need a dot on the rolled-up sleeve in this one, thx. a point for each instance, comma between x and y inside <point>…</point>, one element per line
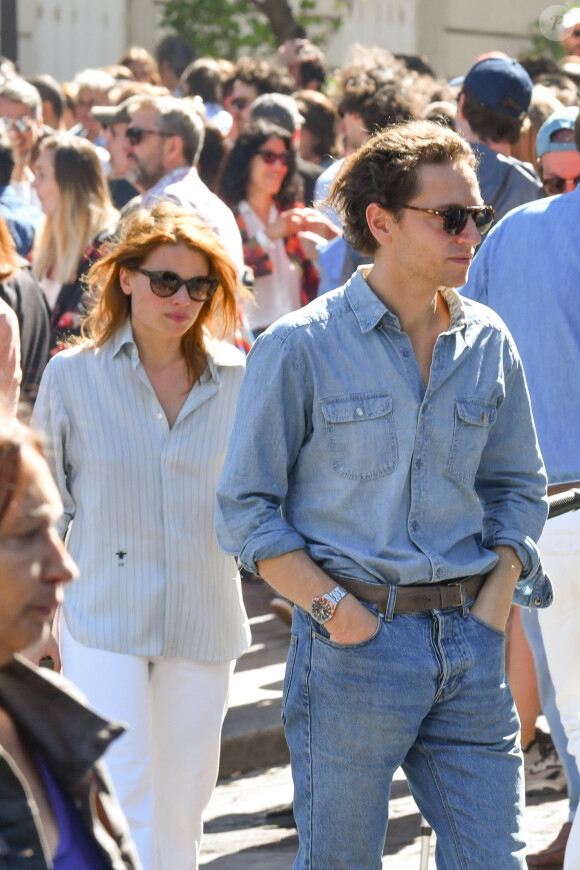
<point>511,481</point>
<point>272,421</point>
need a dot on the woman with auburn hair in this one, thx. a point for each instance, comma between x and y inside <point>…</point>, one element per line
<point>79,217</point>
<point>138,415</point>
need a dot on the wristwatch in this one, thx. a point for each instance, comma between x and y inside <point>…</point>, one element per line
<point>323,607</point>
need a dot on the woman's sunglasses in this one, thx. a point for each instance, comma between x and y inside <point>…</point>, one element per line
<point>271,157</point>
<point>165,284</point>
<point>557,184</point>
<point>455,217</point>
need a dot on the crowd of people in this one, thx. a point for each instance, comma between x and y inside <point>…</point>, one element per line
<point>159,218</point>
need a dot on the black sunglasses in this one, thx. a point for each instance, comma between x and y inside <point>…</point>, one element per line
<point>165,284</point>
<point>271,157</point>
<point>455,217</point>
<point>135,134</point>
<point>556,184</point>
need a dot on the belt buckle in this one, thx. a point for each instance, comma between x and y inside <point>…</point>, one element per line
<point>461,584</point>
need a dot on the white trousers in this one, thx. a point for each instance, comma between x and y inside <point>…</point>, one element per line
<point>560,626</point>
<point>165,766</point>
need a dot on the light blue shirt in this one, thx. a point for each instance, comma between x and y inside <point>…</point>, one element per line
<point>528,271</point>
<point>339,449</point>
<point>140,498</point>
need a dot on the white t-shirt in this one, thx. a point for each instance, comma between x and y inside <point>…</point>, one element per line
<point>278,293</point>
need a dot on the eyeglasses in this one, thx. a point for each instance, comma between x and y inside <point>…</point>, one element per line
<point>239,103</point>
<point>135,134</point>
<point>271,157</point>
<point>21,125</point>
<point>455,217</point>
<point>166,284</point>
<point>557,184</point>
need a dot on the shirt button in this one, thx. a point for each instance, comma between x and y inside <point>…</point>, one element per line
<point>415,525</point>
<point>160,416</point>
<point>406,352</point>
<point>439,572</point>
<point>483,417</point>
<point>537,601</point>
<point>418,463</point>
<point>359,412</point>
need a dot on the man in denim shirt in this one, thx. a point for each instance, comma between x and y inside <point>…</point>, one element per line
<point>530,275</point>
<point>384,474</point>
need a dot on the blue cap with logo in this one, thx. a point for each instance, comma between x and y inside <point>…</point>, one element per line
<point>561,119</point>
<point>502,84</point>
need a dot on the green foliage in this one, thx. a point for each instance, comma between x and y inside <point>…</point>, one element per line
<point>227,28</point>
<point>219,28</point>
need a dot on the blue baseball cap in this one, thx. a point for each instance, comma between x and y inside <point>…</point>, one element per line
<point>561,119</point>
<point>502,84</point>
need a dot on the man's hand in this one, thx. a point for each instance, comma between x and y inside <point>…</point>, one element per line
<point>494,600</point>
<point>296,576</point>
<point>352,622</point>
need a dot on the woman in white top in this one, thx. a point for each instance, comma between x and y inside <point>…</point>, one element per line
<point>139,417</point>
<point>260,185</point>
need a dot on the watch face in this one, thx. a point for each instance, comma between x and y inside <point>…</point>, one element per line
<point>322,609</point>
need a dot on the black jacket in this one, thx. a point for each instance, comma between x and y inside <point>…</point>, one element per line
<point>71,739</point>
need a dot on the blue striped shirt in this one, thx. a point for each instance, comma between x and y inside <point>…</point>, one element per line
<point>140,497</point>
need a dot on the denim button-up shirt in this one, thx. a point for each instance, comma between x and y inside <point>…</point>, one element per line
<point>528,271</point>
<point>339,449</point>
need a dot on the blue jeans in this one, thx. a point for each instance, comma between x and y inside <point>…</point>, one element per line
<point>427,691</point>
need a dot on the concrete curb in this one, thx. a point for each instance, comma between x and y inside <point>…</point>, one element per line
<point>253,737</point>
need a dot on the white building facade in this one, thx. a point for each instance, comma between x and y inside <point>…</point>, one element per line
<point>61,37</point>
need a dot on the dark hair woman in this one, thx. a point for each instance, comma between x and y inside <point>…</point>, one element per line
<point>259,184</point>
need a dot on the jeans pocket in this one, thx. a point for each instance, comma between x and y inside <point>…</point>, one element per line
<point>361,435</point>
<point>473,418</point>
<point>491,628</point>
<point>324,638</point>
<point>289,672</point>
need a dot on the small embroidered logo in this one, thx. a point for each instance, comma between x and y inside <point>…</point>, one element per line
<point>121,556</point>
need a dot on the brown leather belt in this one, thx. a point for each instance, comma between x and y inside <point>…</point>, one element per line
<point>555,488</point>
<point>412,599</point>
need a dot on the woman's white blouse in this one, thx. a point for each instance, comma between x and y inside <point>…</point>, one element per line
<point>140,497</point>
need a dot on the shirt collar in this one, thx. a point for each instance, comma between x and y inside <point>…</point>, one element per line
<point>366,305</point>
<point>369,310</point>
<point>173,177</point>
<point>218,353</point>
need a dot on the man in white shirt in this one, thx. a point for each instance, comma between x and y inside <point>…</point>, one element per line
<point>163,142</point>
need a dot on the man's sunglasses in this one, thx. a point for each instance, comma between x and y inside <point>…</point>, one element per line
<point>239,103</point>
<point>21,125</point>
<point>135,134</point>
<point>557,184</point>
<point>456,216</point>
<point>166,284</point>
<point>271,157</point>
